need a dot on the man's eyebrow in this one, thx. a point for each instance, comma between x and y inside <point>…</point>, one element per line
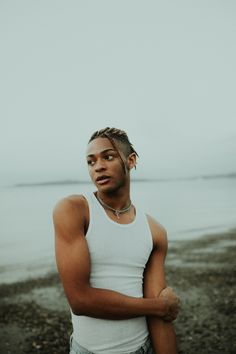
<point>102,152</point>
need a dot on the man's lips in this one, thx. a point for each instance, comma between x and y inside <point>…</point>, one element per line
<point>102,179</point>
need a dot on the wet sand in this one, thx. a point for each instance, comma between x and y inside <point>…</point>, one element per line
<point>35,317</point>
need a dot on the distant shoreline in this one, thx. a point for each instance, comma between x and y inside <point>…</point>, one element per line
<point>144,180</point>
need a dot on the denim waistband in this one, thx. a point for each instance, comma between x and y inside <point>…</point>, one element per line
<point>76,348</point>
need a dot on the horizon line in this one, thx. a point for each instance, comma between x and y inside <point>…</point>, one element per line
<point>153,179</point>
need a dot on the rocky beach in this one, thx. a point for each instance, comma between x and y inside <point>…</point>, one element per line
<point>35,317</point>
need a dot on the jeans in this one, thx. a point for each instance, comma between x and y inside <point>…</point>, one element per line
<point>75,348</point>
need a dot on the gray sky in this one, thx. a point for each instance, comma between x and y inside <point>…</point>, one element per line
<point>163,71</point>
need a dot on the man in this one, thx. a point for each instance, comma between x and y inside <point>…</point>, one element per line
<point>110,257</point>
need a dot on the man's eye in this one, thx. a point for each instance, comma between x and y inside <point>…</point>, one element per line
<point>90,162</point>
<point>109,157</point>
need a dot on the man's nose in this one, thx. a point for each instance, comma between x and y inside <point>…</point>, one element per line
<point>100,166</point>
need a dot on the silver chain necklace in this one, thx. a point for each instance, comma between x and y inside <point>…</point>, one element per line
<point>117,212</point>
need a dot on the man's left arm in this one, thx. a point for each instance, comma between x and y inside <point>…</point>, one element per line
<point>162,332</point>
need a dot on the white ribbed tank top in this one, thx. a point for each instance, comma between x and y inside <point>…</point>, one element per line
<point>118,254</point>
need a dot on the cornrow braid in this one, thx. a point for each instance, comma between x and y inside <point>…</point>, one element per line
<point>114,134</point>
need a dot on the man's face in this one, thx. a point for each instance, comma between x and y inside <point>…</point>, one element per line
<point>105,166</point>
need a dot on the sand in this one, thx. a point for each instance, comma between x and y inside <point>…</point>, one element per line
<point>35,317</point>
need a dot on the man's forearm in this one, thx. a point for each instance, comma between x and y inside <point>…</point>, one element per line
<point>108,304</point>
<point>162,335</point>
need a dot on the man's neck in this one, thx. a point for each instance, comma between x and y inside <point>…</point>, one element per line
<point>116,200</point>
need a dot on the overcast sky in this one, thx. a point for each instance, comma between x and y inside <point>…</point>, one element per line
<point>163,71</point>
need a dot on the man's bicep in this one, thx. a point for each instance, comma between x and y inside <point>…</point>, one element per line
<point>154,275</point>
<point>73,261</point>
<point>72,254</point>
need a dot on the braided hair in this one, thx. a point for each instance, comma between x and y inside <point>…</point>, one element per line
<point>115,135</point>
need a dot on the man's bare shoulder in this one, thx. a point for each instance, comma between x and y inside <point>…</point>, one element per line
<point>159,233</point>
<point>69,203</point>
<point>70,213</point>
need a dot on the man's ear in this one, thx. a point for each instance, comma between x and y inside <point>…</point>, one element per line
<point>131,161</point>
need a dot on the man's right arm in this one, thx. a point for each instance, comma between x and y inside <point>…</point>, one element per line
<point>73,262</point>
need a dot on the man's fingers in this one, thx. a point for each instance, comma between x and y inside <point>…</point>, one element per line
<point>173,302</point>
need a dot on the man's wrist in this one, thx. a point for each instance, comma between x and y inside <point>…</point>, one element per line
<point>157,306</point>
<point>164,305</point>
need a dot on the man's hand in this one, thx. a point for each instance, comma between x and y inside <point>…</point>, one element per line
<point>172,302</point>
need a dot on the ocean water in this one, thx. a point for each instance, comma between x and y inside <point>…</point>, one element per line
<point>186,208</point>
